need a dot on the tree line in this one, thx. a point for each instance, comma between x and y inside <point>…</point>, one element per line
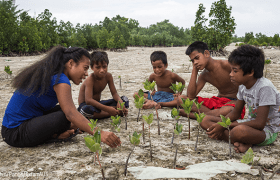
<point>22,33</point>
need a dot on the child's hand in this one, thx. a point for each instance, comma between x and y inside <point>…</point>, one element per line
<point>215,131</point>
<point>112,111</point>
<point>153,92</point>
<point>110,139</point>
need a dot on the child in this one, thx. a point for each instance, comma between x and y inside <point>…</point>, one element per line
<point>90,92</point>
<point>164,78</point>
<point>215,72</point>
<point>261,97</point>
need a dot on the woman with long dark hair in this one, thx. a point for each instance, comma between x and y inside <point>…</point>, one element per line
<point>33,117</point>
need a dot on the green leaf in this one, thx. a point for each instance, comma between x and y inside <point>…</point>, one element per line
<point>175,112</point>
<point>198,105</point>
<point>140,93</point>
<point>222,124</point>
<point>248,157</point>
<point>176,132</point>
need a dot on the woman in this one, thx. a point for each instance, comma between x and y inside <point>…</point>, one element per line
<point>32,116</point>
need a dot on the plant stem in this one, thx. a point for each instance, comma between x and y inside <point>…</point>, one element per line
<point>189,126</point>
<point>100,166</point>
<point>229,143</point>
<point>173,136</point>
<point>143,133</point>
<point>150,144</point>
<point>138,115</point>
<point>125,169</point>
<point>120,83</point>
<point>125,121</point>
<point>157,117</point>
<point>175,158</point>
<point>195,147</point>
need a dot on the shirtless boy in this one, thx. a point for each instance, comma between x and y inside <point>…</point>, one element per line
<point>164,96</point>
<point>90,92</point>
<point>262,99</point>
<point>215,72</point>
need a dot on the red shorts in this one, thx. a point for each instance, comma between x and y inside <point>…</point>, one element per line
<point>217,102</point>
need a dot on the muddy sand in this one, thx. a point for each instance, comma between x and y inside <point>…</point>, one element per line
<point>73,160</point>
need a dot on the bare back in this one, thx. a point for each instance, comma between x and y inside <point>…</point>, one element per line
<point>219,77</point>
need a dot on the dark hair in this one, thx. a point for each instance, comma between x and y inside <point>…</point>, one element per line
<point>249,58</point>
<point>38,75</point>
<point>98,56</point>
<point>198,46</point>
<point>159,55</point>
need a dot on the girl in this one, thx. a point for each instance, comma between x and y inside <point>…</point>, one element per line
<point>32,117</point>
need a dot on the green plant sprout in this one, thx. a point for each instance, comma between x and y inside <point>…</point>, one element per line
<point>198,105</point>
<point>175,114</point>
<point>178,130</point>
<point>150,86</point>
<point>116,122</point>
<point>248,157</point>
<point>122,109</point>
<point>177,88</point>
<point>135,141</point>
<point>199,118</point>
<point>93,143</point>
<point>120,81</point>
<point>139,101</point>
<point>187,105</point>
<point>226,123</point>
<point>266,62</point>
<point>149,120</point>
<point>8,71</point>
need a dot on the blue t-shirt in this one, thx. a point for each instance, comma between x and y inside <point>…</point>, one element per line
<point>22,107</point>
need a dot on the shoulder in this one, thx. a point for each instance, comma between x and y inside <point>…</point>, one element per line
<point>152,76</point>
<point>225,64</point>
<point>108,77</point>
<point>60,78</point>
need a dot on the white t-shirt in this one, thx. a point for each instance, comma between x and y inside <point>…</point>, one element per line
<point>263,93</point>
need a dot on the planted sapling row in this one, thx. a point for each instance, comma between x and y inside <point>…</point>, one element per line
<point>139,101</point>
<point>178,130</point>
<point>150,86</point>
<point>93,143</point>
<point>175,114</point>
<point>149,120</point>
<point>116,122</point>
<point>122,109</point>
<point>134,140</point>
<point>187,105</point>
<point>226,123</point>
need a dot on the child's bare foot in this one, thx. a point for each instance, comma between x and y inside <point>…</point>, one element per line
<point>149,104</point>
<point>240,147</point>
<point>65,134</point>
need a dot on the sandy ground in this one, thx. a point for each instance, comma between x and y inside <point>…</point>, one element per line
<point>73,160</point>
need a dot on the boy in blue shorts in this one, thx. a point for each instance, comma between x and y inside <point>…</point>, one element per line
<point>90,104</point>
<point>164,96</point>
<point>262,99</point>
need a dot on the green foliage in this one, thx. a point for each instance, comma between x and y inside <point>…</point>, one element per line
<point>198,105</point>
<point>199,117</point>
<point>122,105</point>
<point>187,105</point>
<point>140,93</point>
<point>116,122</point>
<point>248,37</point>
<point>225,122</point>
<point>248,157</point>
<point>149,119</point>
<point>139,102</point>
<point>102,38</point>
<point>92,124</point>
<point>177,87</point>
<point>175,113</point>
<point>7,70</point>
<point>93,142</point>
<point>150,86</point>
<point>178,129</point>
<point>267,61</point>
<point>135,138</point>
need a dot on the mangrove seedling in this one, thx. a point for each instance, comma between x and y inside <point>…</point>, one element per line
<point>198,105</point>
<point>122,109</point>
<point>7,70</point>
<point>150,86</point>
<point>175,114</point>
<point>93,143</point>
<point>139,101</point>
<point>226,123</point>
<point>266,63</point>
<point>248,157</point>
<point>178,130</point>
<point>199,118</point>
<point>177,88</point>
<point>116,122</point>
<point>120,81</point>
<point>149,120</point>
<point>134,140</point>
<point>187,105</point>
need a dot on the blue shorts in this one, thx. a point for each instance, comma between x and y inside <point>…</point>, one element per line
<point>161,96</point>
<point>88,110</point>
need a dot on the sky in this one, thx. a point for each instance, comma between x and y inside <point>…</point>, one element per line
<point>257,16</point>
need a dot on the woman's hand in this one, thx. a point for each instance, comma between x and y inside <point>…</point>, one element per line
<point>110,139</point>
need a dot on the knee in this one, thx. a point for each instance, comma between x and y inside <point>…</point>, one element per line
<point>205,122</point>
<point>239,133</point>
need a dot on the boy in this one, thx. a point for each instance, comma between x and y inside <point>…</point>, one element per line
<point>261,97</point>
<point>164,78</point>
<point>215,72</point>
<point>90,92</point>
